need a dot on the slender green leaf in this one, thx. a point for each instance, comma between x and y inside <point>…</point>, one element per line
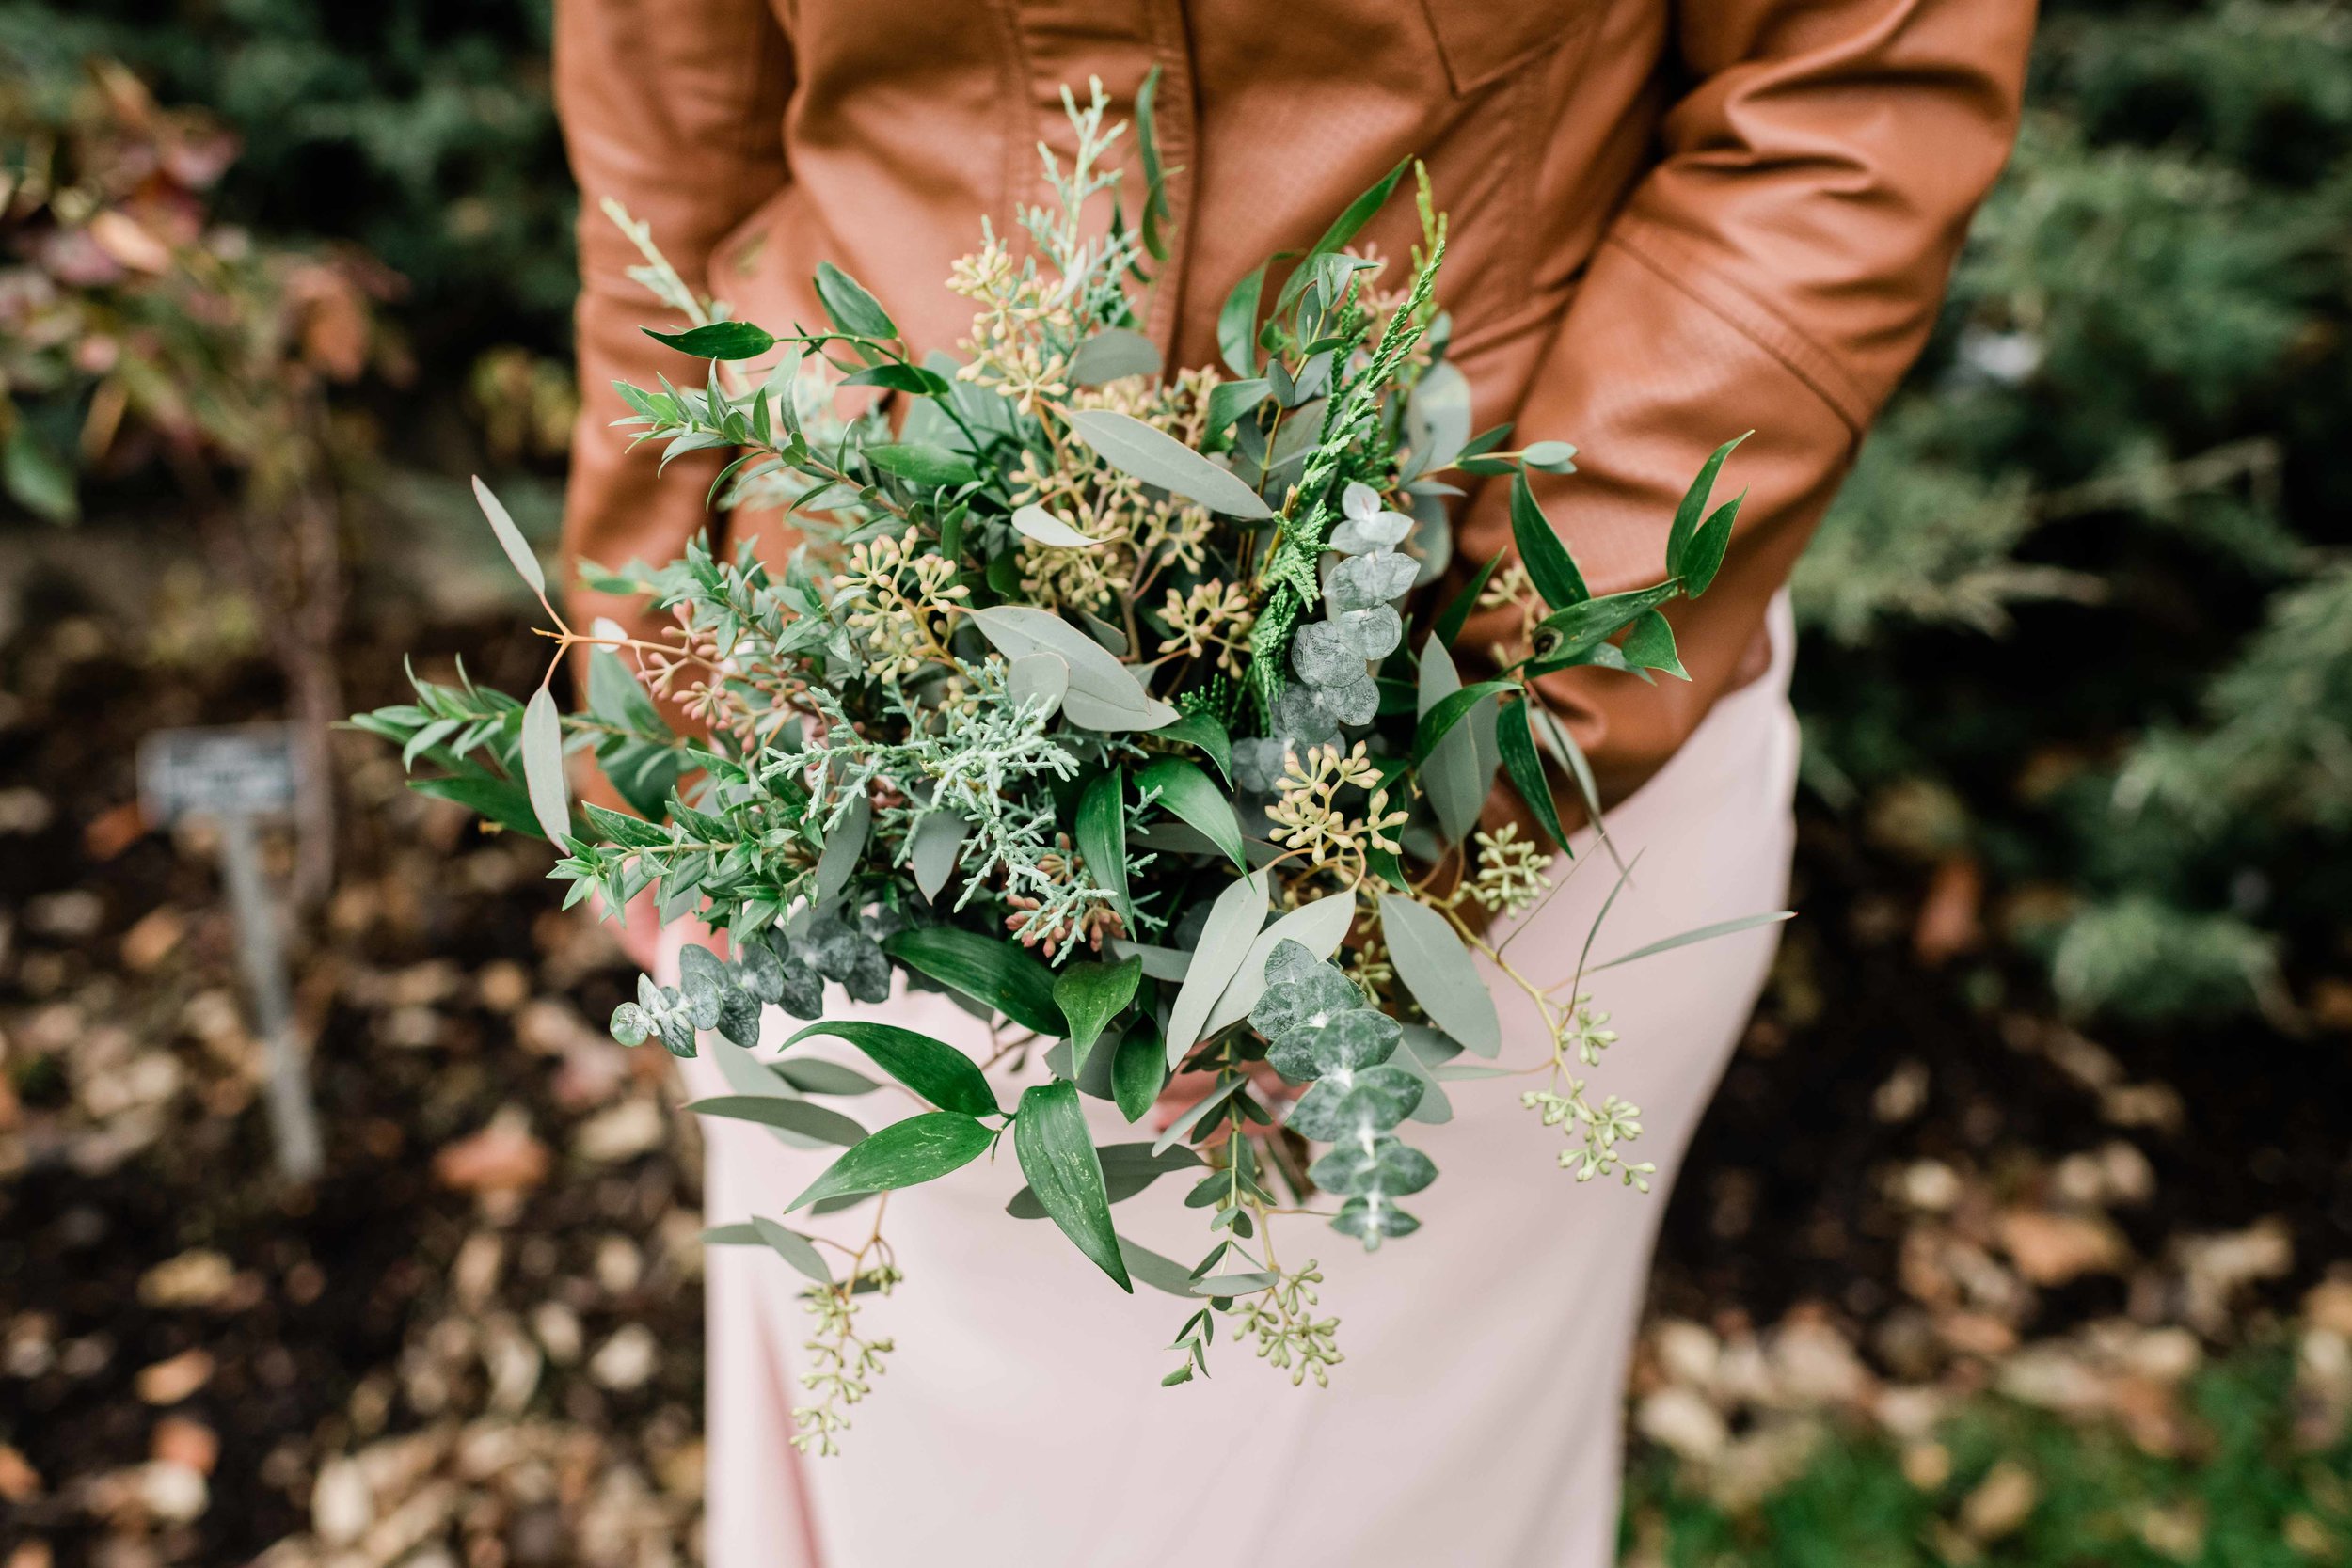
<point>1228,401</point>
<point>1519,760</point>
<point>1202,732</point>
<point>1344,229</point>
<point>1156,217</point>
<point>1101,836</point>
<point>1091,993</point>
<point>901,377</point>
<point>1198,1112</point>
<point>1449,710</point>
<point>719,341</point>
<point>1550,566</point>
<point>1237,324</point>
<point>1566,636</point>
<point>1704,933</point>
<point>985,969</point>
<point>849,307</point>
<point>920,463</point>
<point>934,1070</point>
<point>793,1115</point>
<point>1049,1135</point>
<point>1191,796</point>
<point>903,1154</point>
<point>1127,1170</point>
<point>1139,1071</point>
<point>1705,556</point>
<point>1562,745</point>
<point>1650,645</point>
<point>505,803</point>
<point>1458,611</point>
<point>1693,505</point>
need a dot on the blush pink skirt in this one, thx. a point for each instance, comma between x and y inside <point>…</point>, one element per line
<point>1477,1417</point>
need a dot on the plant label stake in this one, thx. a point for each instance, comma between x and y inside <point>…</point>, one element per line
<point>237,776</point>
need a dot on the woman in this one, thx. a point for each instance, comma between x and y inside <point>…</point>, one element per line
<point>1670,223</point>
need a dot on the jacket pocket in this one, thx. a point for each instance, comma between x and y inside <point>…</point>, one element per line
<point>1484,41</point>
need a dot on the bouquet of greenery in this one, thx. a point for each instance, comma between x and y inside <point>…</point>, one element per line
<point>1100,699</point>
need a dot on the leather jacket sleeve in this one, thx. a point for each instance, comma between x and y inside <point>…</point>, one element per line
<point>1776,271</point>
<point>674,110</point>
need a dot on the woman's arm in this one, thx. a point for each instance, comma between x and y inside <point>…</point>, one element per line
<point>675,109</point>
<point>1777,271</point>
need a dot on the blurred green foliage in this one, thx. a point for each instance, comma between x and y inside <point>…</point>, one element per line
<point>2086,587</point>
<point>421,129</point>
<point>2261,1487</point>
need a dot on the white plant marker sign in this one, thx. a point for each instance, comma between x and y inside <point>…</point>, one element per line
<point>236,776</point>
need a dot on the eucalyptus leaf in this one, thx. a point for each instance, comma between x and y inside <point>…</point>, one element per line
<point>1112,355</point>
<point>934,849</point>
<point>518,551</point>
<point>816,1077</point>
<point>1035,522</point>
<point>1161,1274</point>
<point>1319,927</point>
<point>794,1247</point>
<point>1157,458</point>
<point>845,844</point>
<point>1039,680</point>
<point>1100,686</point>
<point>543,767</point>
<point>1449,767</point>
<point>1225,942</point>
<point>1435,966</point>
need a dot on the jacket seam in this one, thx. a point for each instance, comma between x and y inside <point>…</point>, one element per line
<point>1658,249</point>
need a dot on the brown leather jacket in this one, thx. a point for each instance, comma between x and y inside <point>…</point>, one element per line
<point>1670,222</point>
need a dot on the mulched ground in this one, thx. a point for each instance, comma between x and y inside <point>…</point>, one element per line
<point>478,1340</point>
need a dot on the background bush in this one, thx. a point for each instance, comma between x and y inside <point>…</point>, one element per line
<point>2082,620</point>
